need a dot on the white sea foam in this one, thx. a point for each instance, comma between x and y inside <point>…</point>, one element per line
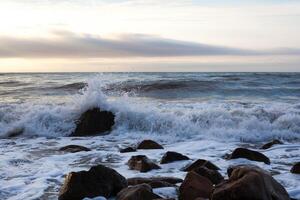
<point>219,119</point>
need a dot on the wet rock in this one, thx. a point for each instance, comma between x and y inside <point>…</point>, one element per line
<point>195,186</point>
<point>296,168</point>
<point>140,180</point>
<point>200,163</point>
<point>74,148</point>
<point>213,175</point>
<point>15,132</point>
<point>165,199</point>
<point>98,181</point>
<point>270,144</point>
<point>127,150</point>
<point>149,144</point>
<point>93,122</point>
<point>249,183</point>
<point>137,192</point>
<point>141,163</point>
<point>250,155</point>
<point>171,156</point>
<point>160,184</point>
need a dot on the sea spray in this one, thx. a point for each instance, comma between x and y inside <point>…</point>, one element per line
<point>178,119</point>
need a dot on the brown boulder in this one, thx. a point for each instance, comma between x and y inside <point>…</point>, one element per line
<point>149,144</point>
<point>250,183</point>
<point>141,163</point>
<point>296,168</point>
<point>127,150</point>
<point>140,180</point>
<point>160,184</point>
<point>195,186</point>
<point>270,144</point>
<point>250,155</point>
<point>74,148</point>
<point>213,175</point>
<point>200,163</point>
<point>171,156</point>
<point>93,122</point>
<point>137,192</point>
<point>98,181</point>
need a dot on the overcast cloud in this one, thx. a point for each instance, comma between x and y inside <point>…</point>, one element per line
<point>66,44</point>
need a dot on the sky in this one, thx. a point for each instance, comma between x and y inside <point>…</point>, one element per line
<point>149,35</point>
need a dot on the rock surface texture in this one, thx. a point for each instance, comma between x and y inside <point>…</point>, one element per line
<point>138,192</point>
<point>141,163</point>
<point>249,183</point>
<point>94,122</point>
<point>149,144</point>
<point>171,156</point>
<point>98,181</point>
<point>250,155</point>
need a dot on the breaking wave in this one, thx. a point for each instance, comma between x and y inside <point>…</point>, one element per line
<point>218,119</point>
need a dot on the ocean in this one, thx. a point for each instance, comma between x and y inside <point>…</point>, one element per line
<point>204,115</point>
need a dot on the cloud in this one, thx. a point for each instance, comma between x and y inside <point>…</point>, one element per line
<point>70,45</point>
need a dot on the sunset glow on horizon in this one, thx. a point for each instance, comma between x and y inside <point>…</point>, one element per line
<point>151,35</point>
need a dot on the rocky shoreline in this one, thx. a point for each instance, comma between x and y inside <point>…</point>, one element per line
<point>202,180</point>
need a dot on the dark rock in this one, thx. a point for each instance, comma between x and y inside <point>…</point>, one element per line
<point>140,180</point>
<point>249,183</point>
<point>296,168</point>
<point>98,181</point>
<point>93,122</point>
<point>250,155</point>
<point>137,192</point>
<point>141,163</point>
<point>15,132</point>
<point>171,156</point>
<point>165,199</point>
<point>213,175</point>
<point>200,163</point>
<point>149,144</point>
<point>195,186</point>
<point>270,144</point>
<point>160,184</point>
<point>127,150</point>
<point>74,148</point>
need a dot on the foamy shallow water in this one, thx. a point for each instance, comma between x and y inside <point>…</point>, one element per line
<point>202,115</point>
<point>35,169</point>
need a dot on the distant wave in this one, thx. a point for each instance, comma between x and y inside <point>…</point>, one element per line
<point>158,85</point>
<point>12,83</point>
<point>72,86</point>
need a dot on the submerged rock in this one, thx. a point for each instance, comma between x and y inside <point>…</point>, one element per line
<point>195,186</point>
<point>137,192</point>
<point>93,122</point>
<point>296,168</point>
<point>140,180</point>
<point>270,144</point>
<point>74,148</point>
<point>171,156</point>
<point>213,175</point>
<point>142,163</point>
<point>149,144</point>
<point>200,163</point>
<point>127,150</point>
<point>98,181</point>
<point>250,155</point>
<point>249,183</point>
<point>15,132</point>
